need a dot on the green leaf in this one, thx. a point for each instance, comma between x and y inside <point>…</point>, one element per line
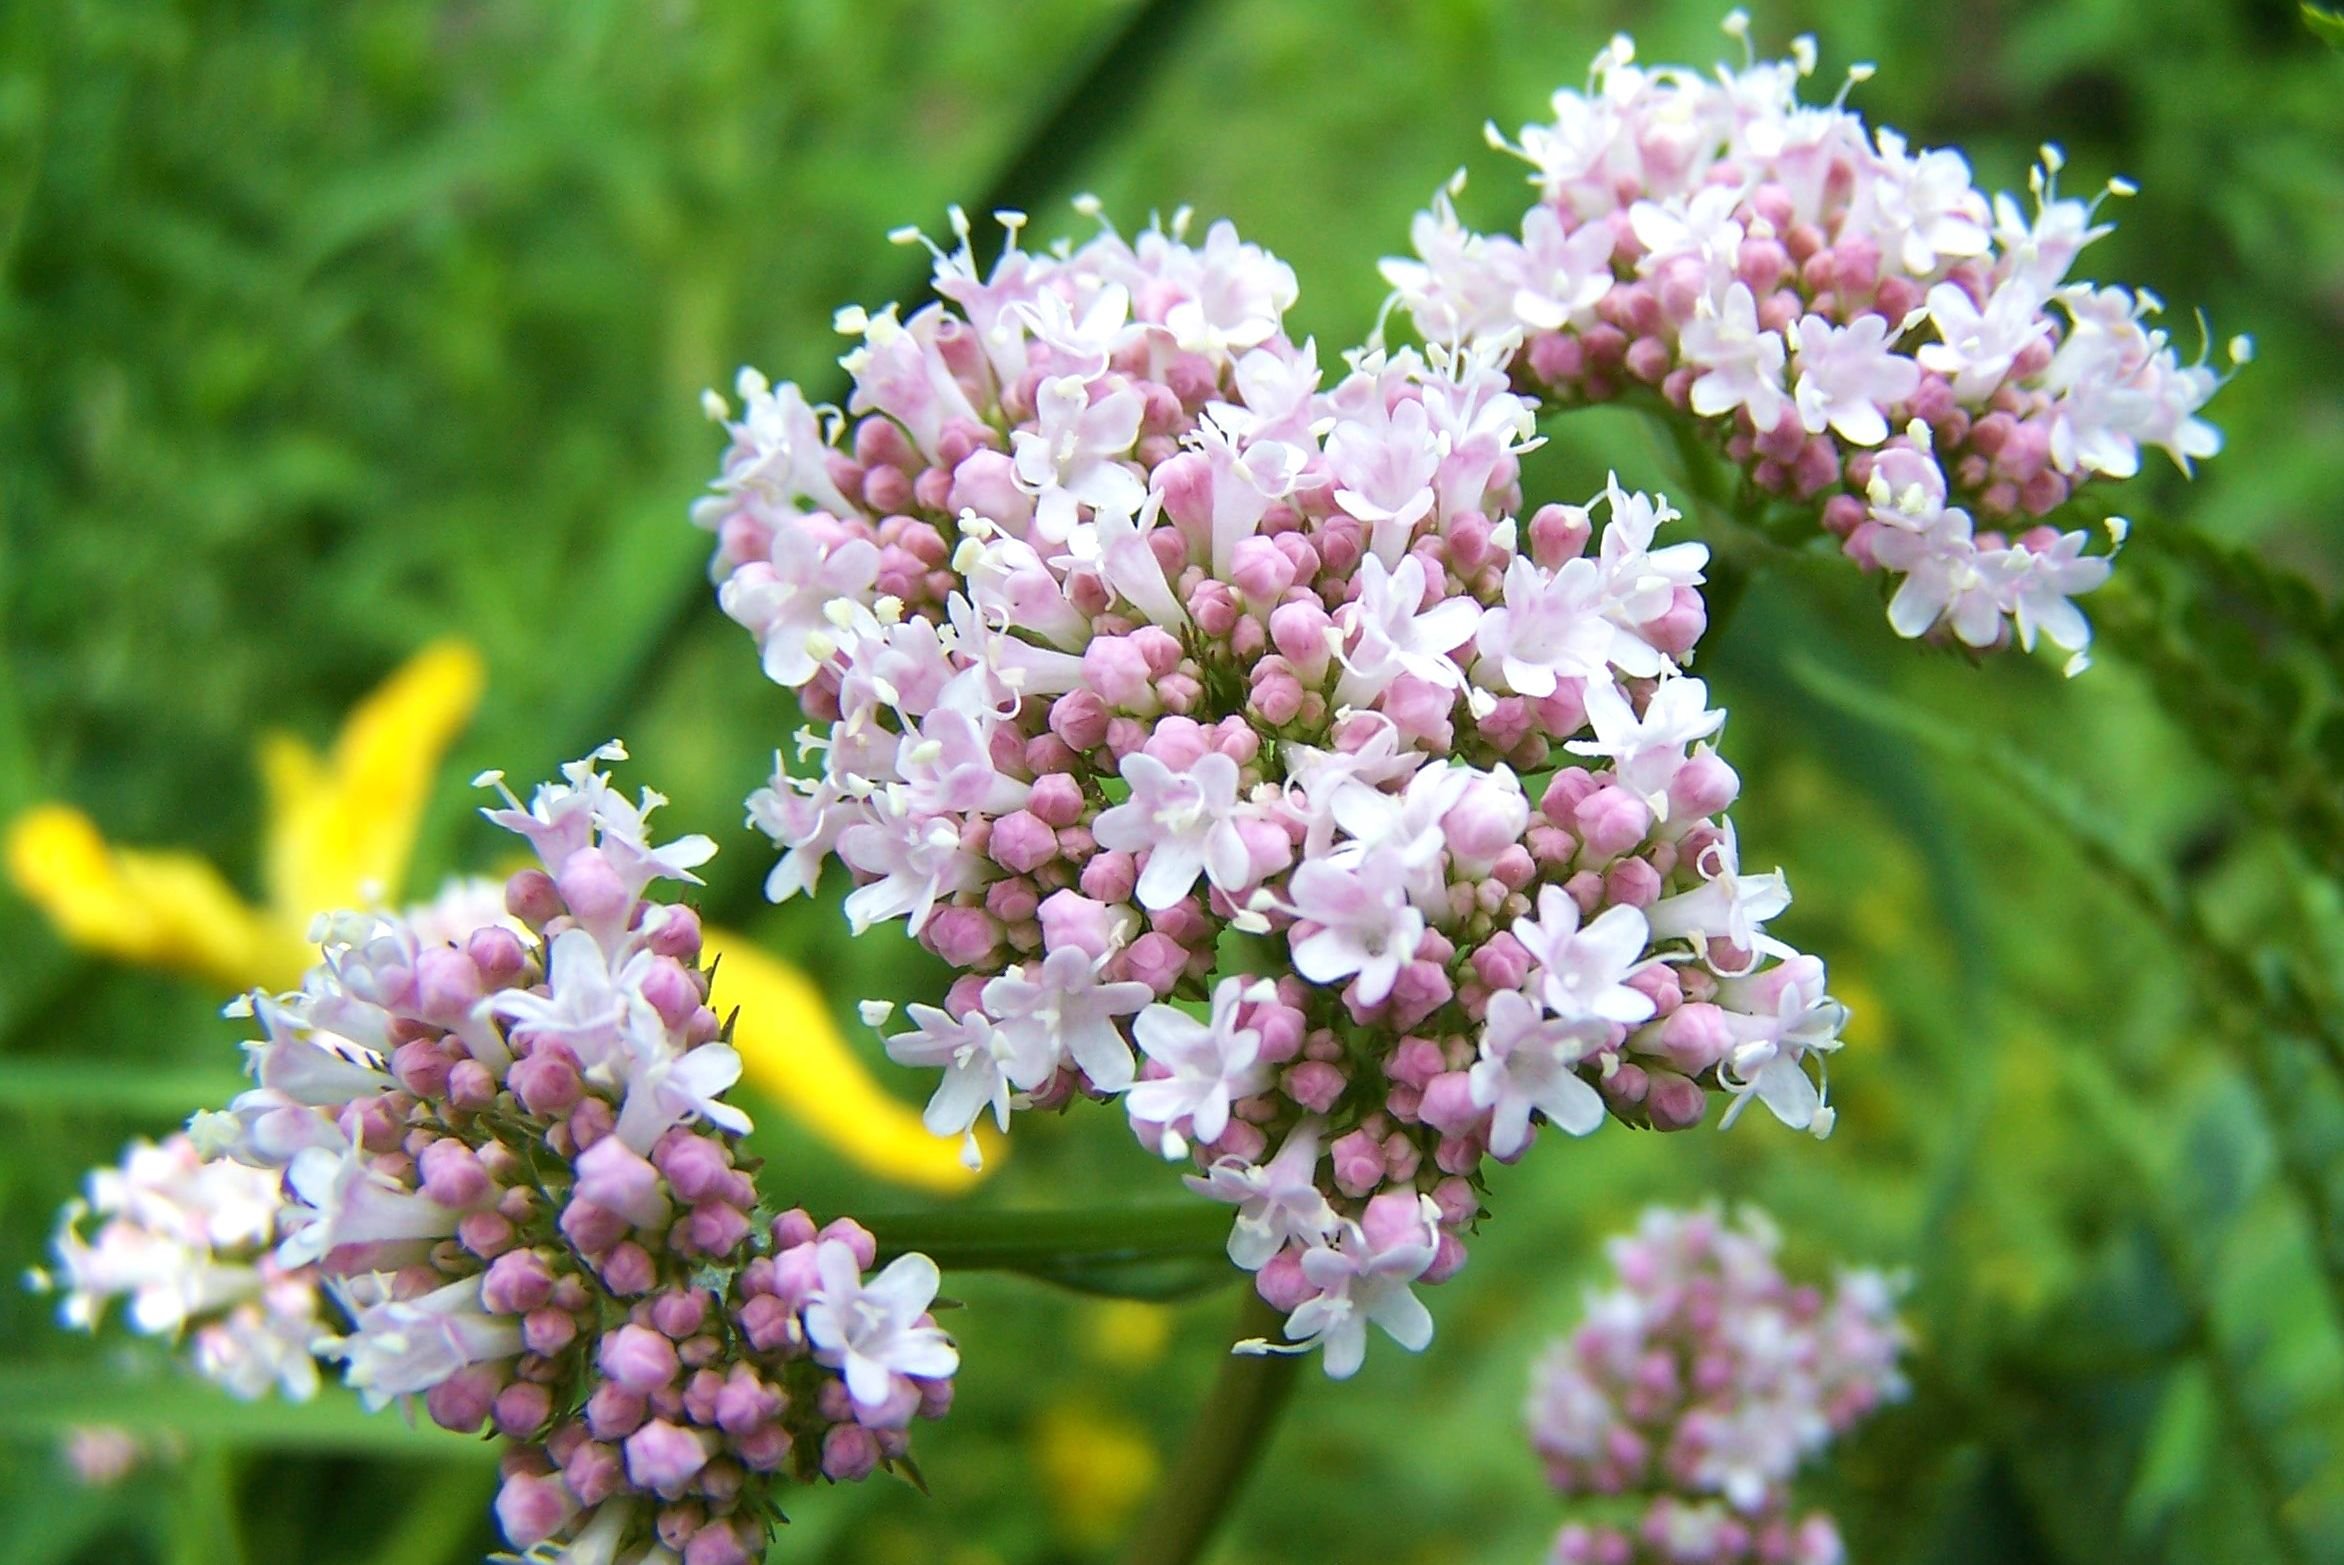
<point>2326,25</point>
<point>51,1087</point>
<point>39,1402</point>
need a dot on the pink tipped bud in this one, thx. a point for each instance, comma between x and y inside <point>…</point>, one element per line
<point>664,1458</point>
<point>849,1453</point>
<point>637,1358</point>
<point>532,1507</point>
<point>1358,1163</point>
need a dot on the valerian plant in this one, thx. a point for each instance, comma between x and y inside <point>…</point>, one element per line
<point>1269,768</point>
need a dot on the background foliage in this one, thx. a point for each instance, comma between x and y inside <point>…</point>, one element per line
<point>324,330</point>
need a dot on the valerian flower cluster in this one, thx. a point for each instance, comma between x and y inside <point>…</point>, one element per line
<point>1222,717</point>
<point>1855,325</point>
<point>494,1132</point>
<point>1698,1383</point>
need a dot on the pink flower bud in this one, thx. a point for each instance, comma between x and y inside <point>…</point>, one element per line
<point>1674,1102</point>
<point>471,1085</point>
<point>1358,1161</point>
<point>548,1331</point>
<point>1261,570</point>
<point>1281,1283</point>
<point>637,1358</point>
<point>1447,1105</point>
<point>1023,842</point>
<point>613,1412</point>
<point>1695,1038</point>
<point>1299,631</point>
<point>627,1270</point>
<point>521,1409</point>
<point>1487,819</point>
<point>1315,1084</point>
<point>547,1080</point>
<point>849,1453</point>
<point>452,1174</point>
<point>1611,821</point>
<point>532,1507</point>
<point>462,1401</point>
<point>1393,1220</point>
<point>1157,960</point>
<point>664,1458</point>
<point>857,1239</point>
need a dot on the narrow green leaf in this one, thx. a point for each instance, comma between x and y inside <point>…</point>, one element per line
<point>117,1088</point>
<point>2326,25</point>
<point>38,1402</point>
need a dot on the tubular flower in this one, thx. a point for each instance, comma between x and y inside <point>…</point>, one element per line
<point>1703,1379</point>
<point>1853,324</point>
<point>1145,629</point>
<point>505,1150</point>
<point>340,833</point>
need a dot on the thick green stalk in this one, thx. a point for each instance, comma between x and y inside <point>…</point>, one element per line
<point>1224,1445</point>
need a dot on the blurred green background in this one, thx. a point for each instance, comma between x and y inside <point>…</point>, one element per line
<point>325,331</point>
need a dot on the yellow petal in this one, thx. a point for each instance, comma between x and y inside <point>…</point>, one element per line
<point>157,909</point>
<point>791,1050</point>
<point>341,829</point>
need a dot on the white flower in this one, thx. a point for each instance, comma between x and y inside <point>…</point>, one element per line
<point>1395,634</point>
<point>599,1015</point>
<point>1075,453</point>
<point>1185,822</point>
<point>1559,277</point>
<point>340,1199</point>
<point>1639,581</point>
<point>1365,922</point>
<point>1741,366</point>
<point>1728,905</point>
<point>1358,1287</point>
<point>1383,467</point>
<point>1923,208</point>
<point>2040,583</point>
<point>1647,751</point>
<point>981,1064</point>
<point>785,601</point>
<point>1239,292</point>
<point>1946,577</point>
<point>874,1330</point>
<point>1849,376</point>
<point>1979,346</point>
<point>1212,1064</point>
<point>1582,972</point>
<point>403,1346</point>
<point>1551,626</point>
<point>1527,1062</point>
<point>665,1088</point>
<point>1701,227</point>
<point>1277,1202</point>
<point>915,860</point>
<point>1057,1008</point>
<point>778,451</point>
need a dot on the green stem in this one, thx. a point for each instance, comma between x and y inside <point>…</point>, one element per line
<point>1148,1252</point>
<point>1223,1447</point>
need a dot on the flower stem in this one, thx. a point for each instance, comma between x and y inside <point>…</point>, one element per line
<point>1222,1447</point>
<point>1154,1252</point>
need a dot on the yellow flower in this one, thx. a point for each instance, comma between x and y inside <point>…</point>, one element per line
<point>340,832</point>
<point>1095,1467</point>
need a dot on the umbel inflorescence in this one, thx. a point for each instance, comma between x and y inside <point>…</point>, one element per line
<point>1852,323</point>
<point>1259,763</point>
<point>493,1131</point>
<point>1694,1388</point>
